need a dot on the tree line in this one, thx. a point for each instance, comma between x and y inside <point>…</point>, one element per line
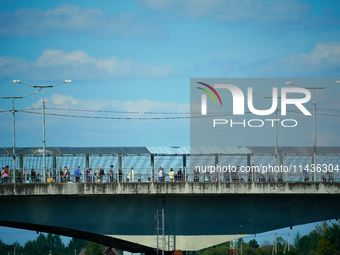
<point>323,240</point>
<point>52,244</point>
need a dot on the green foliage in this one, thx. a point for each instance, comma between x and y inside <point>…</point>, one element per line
<point>6,249</point>
<point>46,243</point>
<point>94,249</point>
<point>217,251</point>
<point>253,244</point>
<point>75,244</point>
<point>323,240</point>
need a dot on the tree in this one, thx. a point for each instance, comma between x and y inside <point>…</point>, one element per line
<point>54,243</point>
<point>322,228</point>
<point>253,244</point>
<point>332,234</point>
<point>323,246</point>
<point>297,239</point>
<point>280,243</point>
<point>265,247</point>
<point>261,251</point>
<point>31,248</point>
<point>94,249</point>
<point>6,249</point>
<point>75,244</point>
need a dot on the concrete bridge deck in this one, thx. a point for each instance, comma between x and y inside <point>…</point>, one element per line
<point>170,188</point>
<point>197,215</point>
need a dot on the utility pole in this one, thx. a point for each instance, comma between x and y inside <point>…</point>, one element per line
<point>42,87</point>
<point>13,114</point>
<point>274,251</point>
<point>314,112</point>
<point>286,245</point>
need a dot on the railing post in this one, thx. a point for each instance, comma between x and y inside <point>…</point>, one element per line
<point>216,164</point>
<point>54,167</point>
<point>248,164</point>
<point>152,174</point>
<point>287,173</point>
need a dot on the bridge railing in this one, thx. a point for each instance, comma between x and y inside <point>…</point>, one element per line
<point>150,174</point>
<point>239,176</point>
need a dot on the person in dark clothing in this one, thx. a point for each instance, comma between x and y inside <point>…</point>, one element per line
<point>32,175</point>
<point>120,175</point>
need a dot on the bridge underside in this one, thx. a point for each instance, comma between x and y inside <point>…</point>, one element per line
<point>97,238</point>
<point>194,221</point>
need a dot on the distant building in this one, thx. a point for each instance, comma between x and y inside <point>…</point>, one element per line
<point>111,251</point>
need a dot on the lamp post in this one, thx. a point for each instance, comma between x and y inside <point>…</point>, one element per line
<point>13,114</point>
<point>314,110</point>
<point>42,87</point>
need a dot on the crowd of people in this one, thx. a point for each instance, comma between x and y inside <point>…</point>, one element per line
<point>116,175</point>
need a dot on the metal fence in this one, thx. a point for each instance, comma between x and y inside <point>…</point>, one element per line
<point>226,173</point>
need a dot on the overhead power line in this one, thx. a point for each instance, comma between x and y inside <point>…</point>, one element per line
<point>129,118</point>
<point>127,112</point>
<point>190,115</point>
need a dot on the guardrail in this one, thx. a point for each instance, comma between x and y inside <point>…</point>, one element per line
<point>149,174</point>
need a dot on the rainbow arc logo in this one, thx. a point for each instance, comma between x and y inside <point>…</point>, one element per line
<point>209,93</point>
<point>204,97</point>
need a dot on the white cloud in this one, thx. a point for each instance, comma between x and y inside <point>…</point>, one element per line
<point>140,105</point>
<point>60,57</point>
<point>275,17</point>
<point>10,65</point>
<point>61,99</point>
<point>68,130</point>
<point>58,64</point>
<point>231,10</point>
<point>71,19</point>
<point>323,139</point>
<point>323,60</point>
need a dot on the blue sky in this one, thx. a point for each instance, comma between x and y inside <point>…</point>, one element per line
<point>138,56</point>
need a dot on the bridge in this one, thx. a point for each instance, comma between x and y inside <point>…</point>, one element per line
<point>196,215</point>
<point>259,192</point>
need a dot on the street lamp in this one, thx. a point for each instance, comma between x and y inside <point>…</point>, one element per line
<point>42,87</point>
<point>314,107</point>
<point>13,114</point>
